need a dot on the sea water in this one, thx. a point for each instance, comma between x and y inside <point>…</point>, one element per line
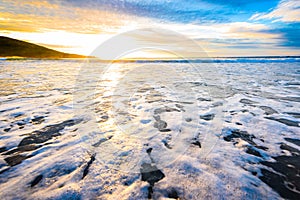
<point>217,129</point>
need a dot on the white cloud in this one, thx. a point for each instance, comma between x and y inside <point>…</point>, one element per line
<point>286,11</point>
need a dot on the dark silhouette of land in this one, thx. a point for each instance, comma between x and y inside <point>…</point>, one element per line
<point>16,48</point>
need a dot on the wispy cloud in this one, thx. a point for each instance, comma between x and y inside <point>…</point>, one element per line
<point>286,11</point>
<point>36,16</point>
<point>239,38</point>
<point>162,10</point>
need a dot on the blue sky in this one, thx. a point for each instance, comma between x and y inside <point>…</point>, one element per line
<point>222,28</point>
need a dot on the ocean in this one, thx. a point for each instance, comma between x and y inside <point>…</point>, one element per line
<point>213,129</point>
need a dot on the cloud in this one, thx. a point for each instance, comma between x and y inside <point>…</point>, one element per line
<point>218,39</point>
<point>36,16</point>
<point>286,11</point>
<point>162,10</point>
<point>228,31</point>
<point>290,35</point>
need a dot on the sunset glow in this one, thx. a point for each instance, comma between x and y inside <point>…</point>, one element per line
<point>231,29</point>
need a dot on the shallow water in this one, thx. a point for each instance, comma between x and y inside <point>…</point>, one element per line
<point>85,130</point>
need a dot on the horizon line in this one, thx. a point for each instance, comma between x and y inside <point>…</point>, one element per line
<point>151,59</point>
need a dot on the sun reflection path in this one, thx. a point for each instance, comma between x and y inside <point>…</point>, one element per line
<point>136,108</point>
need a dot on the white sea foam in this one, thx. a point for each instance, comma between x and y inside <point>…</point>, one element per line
<point>119,112</point>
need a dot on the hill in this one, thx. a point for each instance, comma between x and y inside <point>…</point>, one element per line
<point>16,48</point>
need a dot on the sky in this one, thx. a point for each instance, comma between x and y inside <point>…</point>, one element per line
<point>218,27</point>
